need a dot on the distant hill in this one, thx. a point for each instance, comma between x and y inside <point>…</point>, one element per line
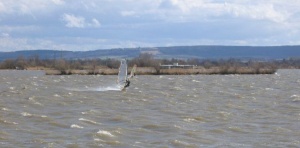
<point>202,52</point>
<point>217,52</point>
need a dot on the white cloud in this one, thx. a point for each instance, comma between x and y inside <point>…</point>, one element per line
<point>149,22</point>
<point>2,7</point>
<point>60,43</point>
<point>4,35</point>
<point>19,29</point>
<point>12,44</point>
<point>192,10</point>
<point>257,12</point>
<point>79,21</point>
<point>127,13</point>
<point>95,23</point>
<point>73,21</point>
<point>24,7</point>
<point>58,2</point>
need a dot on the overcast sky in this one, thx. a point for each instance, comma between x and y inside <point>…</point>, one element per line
<point>82,25</point>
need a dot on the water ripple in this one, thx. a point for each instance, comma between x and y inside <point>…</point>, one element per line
<point>155,111</point>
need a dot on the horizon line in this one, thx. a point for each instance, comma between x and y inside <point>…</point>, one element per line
<point>147,47</point>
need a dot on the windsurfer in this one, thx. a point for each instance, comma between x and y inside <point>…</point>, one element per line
<point>127,83</point>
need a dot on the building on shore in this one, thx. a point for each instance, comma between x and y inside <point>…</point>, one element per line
<point>176,65</point>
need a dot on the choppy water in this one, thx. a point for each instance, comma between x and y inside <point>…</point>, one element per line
<point>156,111</point>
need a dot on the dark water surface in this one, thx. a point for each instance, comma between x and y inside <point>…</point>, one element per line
<point>156,111</point>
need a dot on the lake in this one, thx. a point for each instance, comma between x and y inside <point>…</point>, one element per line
<point>38,110</point>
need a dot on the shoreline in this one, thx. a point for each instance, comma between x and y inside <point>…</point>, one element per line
<point>175,71</point>
<point>153,71</point>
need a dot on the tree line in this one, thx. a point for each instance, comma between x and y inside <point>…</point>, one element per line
<point>144,60</point>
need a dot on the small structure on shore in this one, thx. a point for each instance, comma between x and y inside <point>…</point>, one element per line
<point>176,65</point>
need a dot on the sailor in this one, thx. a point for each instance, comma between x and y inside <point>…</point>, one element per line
<point>127,83</point>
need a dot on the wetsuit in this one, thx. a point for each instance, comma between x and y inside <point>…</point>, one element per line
<point>127,83</point>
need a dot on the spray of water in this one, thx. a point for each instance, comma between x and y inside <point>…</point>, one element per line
<point>101,88</point>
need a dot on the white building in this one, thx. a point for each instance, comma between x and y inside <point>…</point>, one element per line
<point>176,65</point>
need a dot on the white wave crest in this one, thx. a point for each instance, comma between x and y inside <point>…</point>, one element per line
<point>76,126</point>
<point>25,114</point>
<point>87,120</point>
<point>295,98</point>
<point>4,109</point>
<point>105,133</point>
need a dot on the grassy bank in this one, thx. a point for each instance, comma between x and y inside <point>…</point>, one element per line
<point>175,71</point>
<point>148,65</point>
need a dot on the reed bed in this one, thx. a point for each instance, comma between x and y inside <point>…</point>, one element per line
<point>173,71</point>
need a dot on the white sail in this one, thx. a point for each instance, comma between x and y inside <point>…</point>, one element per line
<point>133,70</point>
<point>122,76</point>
